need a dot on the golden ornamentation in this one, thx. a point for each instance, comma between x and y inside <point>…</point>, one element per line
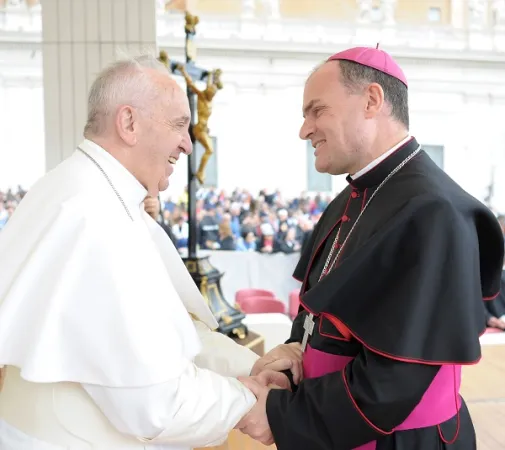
<point>226,319</point>
<point>191,23</point>
<point>204,109</point>
<point>165,60</point>
<point>239,332</point>
<point>203,289</point>
<point>190,29</point>
<point>191,266</point>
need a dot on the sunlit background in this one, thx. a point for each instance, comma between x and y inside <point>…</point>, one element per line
<point>453,52</point>
<point>262,196</point>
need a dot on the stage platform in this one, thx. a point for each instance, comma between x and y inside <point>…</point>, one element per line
<point>484,391</point>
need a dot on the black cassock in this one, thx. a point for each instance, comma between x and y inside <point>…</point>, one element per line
<point>407,292</point>
<point>496,307</point>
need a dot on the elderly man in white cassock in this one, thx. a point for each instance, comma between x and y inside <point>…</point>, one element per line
<point>105,341</point>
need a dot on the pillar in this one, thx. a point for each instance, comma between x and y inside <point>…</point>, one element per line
<point>80,37</point>
<point>458,13</point>
<point>248,8</point>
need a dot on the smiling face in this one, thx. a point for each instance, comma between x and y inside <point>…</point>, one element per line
<point>334,121</point>
<point>168,134</point>
<point>156,133</point>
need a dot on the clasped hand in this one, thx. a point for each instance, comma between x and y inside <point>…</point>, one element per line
<point>266,375</point>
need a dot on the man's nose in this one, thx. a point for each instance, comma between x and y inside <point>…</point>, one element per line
<point>306,130</point>
<point>187,145</point>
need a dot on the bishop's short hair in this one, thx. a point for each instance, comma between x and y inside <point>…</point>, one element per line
<point>396,94</point>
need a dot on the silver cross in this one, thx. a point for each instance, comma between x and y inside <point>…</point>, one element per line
<point>308,326</point>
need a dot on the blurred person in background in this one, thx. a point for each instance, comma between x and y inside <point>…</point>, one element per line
<point>247,243</point>
<point>226,238</point>
<point>152,206</point>
<point>209,229</point>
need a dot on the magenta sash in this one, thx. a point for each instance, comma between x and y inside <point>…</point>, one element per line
<point>437,405</point>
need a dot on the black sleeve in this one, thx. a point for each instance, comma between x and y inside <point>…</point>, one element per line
<point>297,328</point>
<point>344,410</point>
<point>305,240</point>
<point>487,313</point>
<point>496,306</point>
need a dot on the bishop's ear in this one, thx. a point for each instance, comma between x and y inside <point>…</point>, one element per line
<point>127,124</point>
<point>375,100</point>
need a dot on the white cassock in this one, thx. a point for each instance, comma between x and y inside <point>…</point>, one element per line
<point>99,348</point>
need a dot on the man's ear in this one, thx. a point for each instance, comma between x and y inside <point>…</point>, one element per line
<point>127,124</point>
<point>375,100</point>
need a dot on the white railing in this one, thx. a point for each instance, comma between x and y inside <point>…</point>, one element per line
<point>21,22</point>
<point>290,35</point>
<point>300,35</point>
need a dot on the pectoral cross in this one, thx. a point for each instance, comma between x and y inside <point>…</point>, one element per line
<point>308,326</point>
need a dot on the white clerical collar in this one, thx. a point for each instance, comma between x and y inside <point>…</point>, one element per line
<point>381,158</point>
<point>128,187</point>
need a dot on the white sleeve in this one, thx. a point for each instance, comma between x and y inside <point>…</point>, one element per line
<point>222,354</point>
<point>198,409</point>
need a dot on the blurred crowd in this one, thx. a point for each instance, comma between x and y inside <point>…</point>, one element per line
<point>240,221</point>
<point>8,202</point>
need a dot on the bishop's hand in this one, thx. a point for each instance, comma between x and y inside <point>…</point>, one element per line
<point>282,357</point>
<point>270,378</point>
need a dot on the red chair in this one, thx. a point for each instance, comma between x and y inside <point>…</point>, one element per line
<point>244,293</point>
<point>294,303</point>
<point>493,330</point>
<point>259,305</point>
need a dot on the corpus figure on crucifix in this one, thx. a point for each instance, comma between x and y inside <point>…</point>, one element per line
<point>205,276</point>
<point>204,110</point>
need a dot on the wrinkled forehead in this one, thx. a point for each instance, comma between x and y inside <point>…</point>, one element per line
<point>323,83</point>
<point>180,100</point>
<point>174,101</point>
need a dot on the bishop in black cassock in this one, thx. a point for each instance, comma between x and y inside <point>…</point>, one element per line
<point>394,277</point>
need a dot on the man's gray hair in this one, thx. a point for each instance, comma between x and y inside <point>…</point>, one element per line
<point>122,82</point>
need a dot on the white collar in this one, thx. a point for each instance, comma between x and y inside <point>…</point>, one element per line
<point>128,187</point>
<point>381,158</point>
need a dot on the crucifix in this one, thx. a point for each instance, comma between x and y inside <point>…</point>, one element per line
<point>206,277</point>
<point>308,326</point>
<point>195,74</point>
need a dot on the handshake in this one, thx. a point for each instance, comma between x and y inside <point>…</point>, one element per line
<point>266,375</point>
